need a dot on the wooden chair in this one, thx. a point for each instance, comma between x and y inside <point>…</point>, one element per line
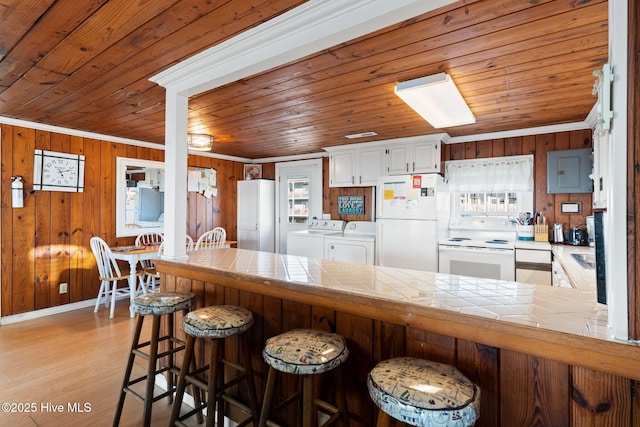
<point>152,279</point>
<point>212,239</point>
<point>189,244</point>
<point>110,276</point>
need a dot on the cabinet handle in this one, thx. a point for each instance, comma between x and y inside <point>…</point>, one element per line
<point>407,167</point>
<point>360,178</point>
<point>353,179</point>
<point>413,165</point>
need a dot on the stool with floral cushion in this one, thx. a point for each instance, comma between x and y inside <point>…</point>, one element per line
<point>423,393</point>
<point>158,305</point>
<point>217,324</point>
<point>307,353</point>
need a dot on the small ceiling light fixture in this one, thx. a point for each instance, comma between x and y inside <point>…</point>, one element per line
<point>360,135</point>
<point>199,142</point>
<point>437,99</point>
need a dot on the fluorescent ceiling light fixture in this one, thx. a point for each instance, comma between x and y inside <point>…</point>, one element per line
<point>437,99</point>
<point>199,141</point>
<point>360,135</point>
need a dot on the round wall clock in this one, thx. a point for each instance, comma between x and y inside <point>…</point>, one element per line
<point>53,171</point>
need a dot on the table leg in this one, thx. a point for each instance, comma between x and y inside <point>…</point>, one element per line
<point>133,263</point>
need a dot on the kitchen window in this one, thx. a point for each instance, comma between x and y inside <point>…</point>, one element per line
<point>477,203</point>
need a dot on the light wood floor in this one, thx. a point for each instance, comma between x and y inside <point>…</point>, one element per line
<point>74,358</point>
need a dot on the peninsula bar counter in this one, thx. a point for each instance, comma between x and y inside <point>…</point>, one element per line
<point>541,356</point>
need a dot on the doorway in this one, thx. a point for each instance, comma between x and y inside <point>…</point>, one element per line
<point>298,197</point>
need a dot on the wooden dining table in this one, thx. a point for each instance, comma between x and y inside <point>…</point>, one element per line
<point>133,255</point>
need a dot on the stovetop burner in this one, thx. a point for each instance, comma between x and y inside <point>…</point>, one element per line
<point>497,241</point>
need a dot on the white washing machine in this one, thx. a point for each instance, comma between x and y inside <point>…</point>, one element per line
<point>356,245</point>
<point>310,242</point>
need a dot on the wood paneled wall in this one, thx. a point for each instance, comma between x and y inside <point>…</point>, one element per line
<point>538,145</point>
<point>47,242</point>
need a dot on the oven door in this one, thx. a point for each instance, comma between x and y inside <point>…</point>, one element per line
<point>487,263</point>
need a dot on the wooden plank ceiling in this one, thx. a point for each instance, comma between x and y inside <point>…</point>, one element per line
<point>85,65</point>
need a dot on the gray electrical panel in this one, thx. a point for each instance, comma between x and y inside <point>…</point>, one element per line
<point>568,171</point>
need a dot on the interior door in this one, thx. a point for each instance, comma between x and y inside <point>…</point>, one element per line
<point>298,197</point>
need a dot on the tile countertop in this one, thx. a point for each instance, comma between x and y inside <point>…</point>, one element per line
<point>547,308</point>
<point>583,279</point>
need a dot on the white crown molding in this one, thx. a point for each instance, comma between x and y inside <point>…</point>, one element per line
<point>592,117</point>
<point>565,127</point>
<point>80,133</point>
<point>289,158</point>
<point>445,138</point>
<point>109,138</point>
<point>307,29</point>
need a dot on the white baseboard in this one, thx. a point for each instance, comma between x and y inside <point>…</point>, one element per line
<point>15,318</point>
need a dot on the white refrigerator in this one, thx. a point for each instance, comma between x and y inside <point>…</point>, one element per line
<point>412,214</point>
<point>256,215</point>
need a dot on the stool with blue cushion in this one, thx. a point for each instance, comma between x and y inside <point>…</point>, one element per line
<point>216,323</point>
<point>307,353</point>
<point>423,393</point>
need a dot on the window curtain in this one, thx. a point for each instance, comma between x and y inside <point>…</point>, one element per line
<point>493,175</point>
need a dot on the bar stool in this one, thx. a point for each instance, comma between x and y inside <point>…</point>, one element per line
<point>216,323</point>
<point>423,393</point>
<point>306,352</point>
<point>156,305</point>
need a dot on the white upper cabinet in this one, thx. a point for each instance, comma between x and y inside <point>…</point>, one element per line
<point>342,168</point>
<point>398,159</point>
<point>426,157</point>
<point>360,165</point>
<point>416,157</point>
<point>370,162</point>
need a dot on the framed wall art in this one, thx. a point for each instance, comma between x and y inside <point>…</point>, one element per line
<point>252,171</point>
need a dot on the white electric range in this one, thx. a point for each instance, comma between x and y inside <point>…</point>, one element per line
<point>479,248</point>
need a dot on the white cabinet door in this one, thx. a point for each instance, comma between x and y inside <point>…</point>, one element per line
<point>342,169</point>
<point>370,166</point>
<point>398,159</point>
<point>417,157</point>
<point>426,157</point>
<point>357,167</point>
